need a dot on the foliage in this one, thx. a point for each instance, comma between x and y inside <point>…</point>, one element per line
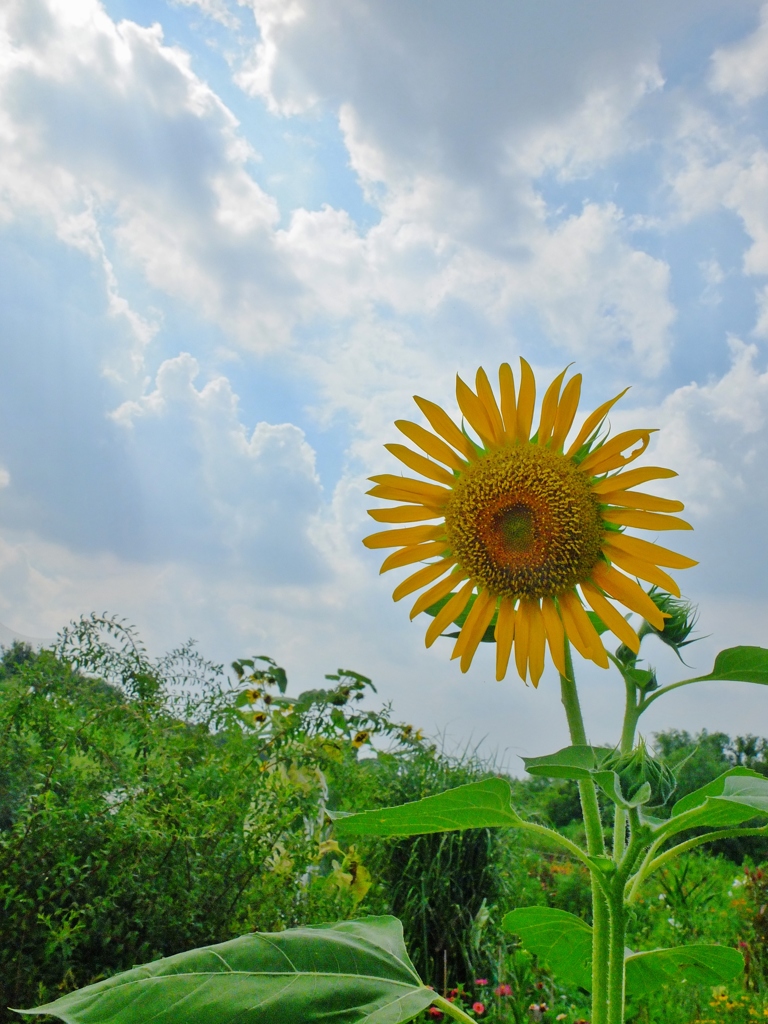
<point>146,808</point>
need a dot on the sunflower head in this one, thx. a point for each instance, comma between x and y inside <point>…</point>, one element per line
<point>518,532</point>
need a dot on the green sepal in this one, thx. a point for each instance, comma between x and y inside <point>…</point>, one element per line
<point>486,804</point>
<point>597,622</point>
<point>488,636</point>
<point>610,783</point>
<point>353,972</point>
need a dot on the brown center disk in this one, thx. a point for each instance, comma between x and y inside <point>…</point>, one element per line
<point>523,522</point>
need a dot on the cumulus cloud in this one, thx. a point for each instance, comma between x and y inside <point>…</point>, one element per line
<point>219,492</point>
<point>104,122</point>
<point>741,70</point>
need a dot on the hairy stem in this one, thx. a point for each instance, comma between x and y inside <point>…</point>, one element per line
<point>595,846</point>
<point>616,971</point>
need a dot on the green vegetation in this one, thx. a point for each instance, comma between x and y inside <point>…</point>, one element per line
<point>149,807</point>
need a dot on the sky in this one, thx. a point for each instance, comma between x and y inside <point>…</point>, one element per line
<point>236,238</point>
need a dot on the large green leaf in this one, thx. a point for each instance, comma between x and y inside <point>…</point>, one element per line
<point>740,664</point>
<point>486,804</point>
<point>734,797</point>
<point>565,943</point>
<point>561,939</point>
<point>347,973</point>
<point>698,965</point>
<point>583,762</point>
<point>577,762</point>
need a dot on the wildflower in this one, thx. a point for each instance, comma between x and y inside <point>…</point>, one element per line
<point>522,521</point>
<point>360,738</point>
<point>252,696</point>
<point>434,1012</point>
<point>561,1016</point>
<point>478,1008</point>
<point>258,717</point>
<point>503,990</point>
<point>481,981</point>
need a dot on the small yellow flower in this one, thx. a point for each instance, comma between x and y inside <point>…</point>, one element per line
<point>361,738</point>
<point>522,521</point>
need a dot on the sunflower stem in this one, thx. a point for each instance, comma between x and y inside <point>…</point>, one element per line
<point>631,715</point>
<point>590,810</point>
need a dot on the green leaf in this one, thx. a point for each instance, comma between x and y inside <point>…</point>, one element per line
<point>563,940</point>
<point>735,796</point>
<point>565,943</point>
<point>699,965</point>
<point>350,973</point>
<point>577,762</point>
<point>486,804</point>
<point>739,664</point>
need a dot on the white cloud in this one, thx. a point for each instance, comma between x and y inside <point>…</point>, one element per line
<point>220,492</point>
<point>741,70</point>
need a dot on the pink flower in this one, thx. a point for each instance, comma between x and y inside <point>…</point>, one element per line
<point>481,981</point>
<point>503,990</point>
<point>434,1012</point>
<point>478,1007</point>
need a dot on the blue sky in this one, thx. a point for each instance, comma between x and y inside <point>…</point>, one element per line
<point>236,236</point>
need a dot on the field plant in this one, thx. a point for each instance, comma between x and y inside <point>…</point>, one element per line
<point>521,541</point>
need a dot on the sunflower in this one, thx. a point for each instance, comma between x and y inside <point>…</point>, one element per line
<point>527,532</point>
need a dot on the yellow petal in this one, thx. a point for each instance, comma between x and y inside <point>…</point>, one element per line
<point>639,567</point>
<point>632,478</point>
<point>422,578</point>
<point>428,494</point>
<point>401,494</point>
<point>505,634</point>
<point>431,596</point>
<point>522,638</point>
<point>643,520</point>
<point>473,411</point>
<point>448,613</point>
<point>508,403</point>
<point>592,422</point>
<point>636,499</point>
<point>630,594</point>
<point>478,620</point>
<point>404,514</point>
<point>414,553</point>
<point>571,628</point>
<point>604,458</point>
<point>650,552</point>
<point>536,638</point>
<point>526,400</point>
<point>431,444</point>
<point>408,535</point>
<point>419,464</point>
<point>613,619</point>
<point>549,409</point>
<point>587,631</point>
<point>487,397</point>
<point>566,412</point>
<point>443,425</point>
<point>555,633</point>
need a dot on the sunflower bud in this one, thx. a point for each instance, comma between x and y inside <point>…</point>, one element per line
<point>638,767</point>
<point>679,623</point>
